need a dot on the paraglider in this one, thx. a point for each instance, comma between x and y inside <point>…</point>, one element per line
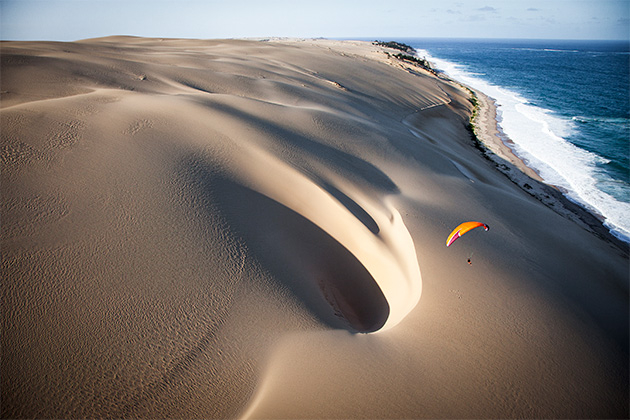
<point>463,228</point>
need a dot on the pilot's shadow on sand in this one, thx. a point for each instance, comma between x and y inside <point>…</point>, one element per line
<point>329,279</point>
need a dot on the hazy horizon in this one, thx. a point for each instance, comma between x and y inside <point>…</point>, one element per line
<point>70,20</point>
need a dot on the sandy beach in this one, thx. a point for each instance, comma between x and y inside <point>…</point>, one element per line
<point>256,229</point>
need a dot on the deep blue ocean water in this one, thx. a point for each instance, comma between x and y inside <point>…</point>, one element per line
<point>565,105</point>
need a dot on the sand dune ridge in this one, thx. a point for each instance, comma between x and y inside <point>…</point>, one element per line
<point>201,229</point>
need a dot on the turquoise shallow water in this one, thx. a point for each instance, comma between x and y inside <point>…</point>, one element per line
<point>565,105</point>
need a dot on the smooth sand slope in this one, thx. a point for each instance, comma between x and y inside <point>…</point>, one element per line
<point>206,229</point>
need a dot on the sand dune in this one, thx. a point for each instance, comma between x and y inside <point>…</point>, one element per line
<point>255,229</point>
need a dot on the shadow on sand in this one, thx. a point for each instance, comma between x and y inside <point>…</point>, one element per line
<point>331,282</point>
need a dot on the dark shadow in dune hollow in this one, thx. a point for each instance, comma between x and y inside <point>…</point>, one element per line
<point>352,206</point>
<point>315,267</point>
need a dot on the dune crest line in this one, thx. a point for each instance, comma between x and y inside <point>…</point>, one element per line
<point>388,255</point>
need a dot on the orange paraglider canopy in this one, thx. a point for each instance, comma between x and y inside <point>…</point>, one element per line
<point>463,228</point>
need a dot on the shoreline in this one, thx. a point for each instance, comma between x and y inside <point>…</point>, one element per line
<point>496,144</point>
<point>490,135</point>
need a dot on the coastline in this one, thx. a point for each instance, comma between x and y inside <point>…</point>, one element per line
<point>488,132</point>
<point>256,229</point>
<point>499,147</point>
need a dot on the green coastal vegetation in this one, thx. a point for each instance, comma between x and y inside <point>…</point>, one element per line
<point>395,45</point>
<point>477,142</point>
<point>420,62</point>
<point>475,102</point>
<point>472,129</point>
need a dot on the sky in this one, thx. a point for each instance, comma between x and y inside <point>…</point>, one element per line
<point>70,20</point>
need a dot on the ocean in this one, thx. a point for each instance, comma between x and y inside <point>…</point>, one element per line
<point>564,104</point>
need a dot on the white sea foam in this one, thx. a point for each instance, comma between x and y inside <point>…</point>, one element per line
<point>538,137</point>
<point>606,120</point>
